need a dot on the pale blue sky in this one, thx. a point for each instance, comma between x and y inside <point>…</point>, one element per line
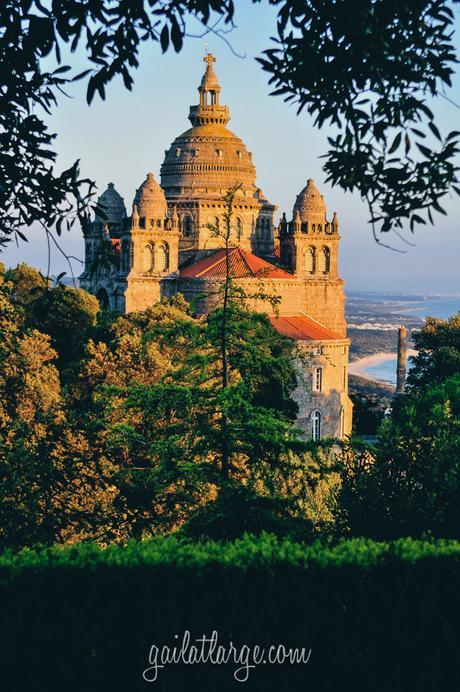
<point>123,138</point>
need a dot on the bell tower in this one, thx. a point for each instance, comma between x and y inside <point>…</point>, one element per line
<point>309,246</point>
<point>149,249</point>
<point>309,243</point>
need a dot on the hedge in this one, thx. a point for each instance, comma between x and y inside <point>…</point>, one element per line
<point>376,616</point>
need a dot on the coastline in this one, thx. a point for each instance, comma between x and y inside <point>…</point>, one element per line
<point>359,367</point>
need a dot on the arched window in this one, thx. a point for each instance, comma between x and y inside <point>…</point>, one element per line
<point>103,298</point>
<point>310,260</point>
<point>266,228</point>
<point>163,258</point>
<point>327,259</point>
<point>239,228</point>
<point>126,255</point>
<point>147,257</point>
<point>313,227</point>
<point>89,256</point>
<point>187,226</point>
<point>320,228</point>
<point>142,222</point>
<point>324,261</point>
<point>316,425</point>
<point>342,422</point>
<point>317,384</point>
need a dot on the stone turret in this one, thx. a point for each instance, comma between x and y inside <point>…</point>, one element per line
<point>108,225</point>
<point>309,244</point>
<point>113,209</point>
<point>149,249</point>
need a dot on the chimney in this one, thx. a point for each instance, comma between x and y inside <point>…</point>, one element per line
<point>402,360</point>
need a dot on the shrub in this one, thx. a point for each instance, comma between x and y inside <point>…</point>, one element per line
<point>377,616</point>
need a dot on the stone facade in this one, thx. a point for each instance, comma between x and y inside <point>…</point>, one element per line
<point>169,244</point>
<point>331,400</point>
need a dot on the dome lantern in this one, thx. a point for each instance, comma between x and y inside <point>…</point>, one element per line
<point>209,88</point>
<point>209,111</point>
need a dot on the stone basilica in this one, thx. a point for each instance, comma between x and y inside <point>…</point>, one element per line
<point>166,246</point>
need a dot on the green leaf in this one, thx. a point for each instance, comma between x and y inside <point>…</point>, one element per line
<point>164,38</point>
<point>425,150</point>
<point>396,143</point>
<point>434,130</point>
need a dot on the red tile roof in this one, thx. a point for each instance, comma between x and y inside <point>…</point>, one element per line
<point>303,328</point>
<point>242,264</point>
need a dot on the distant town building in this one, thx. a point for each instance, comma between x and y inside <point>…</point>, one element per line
<point>165,246</point>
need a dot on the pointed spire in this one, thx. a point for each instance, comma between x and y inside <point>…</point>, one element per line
<point>283,223</point>
<point>335,223</point>
<point>297,221</point>
<point>174,218</point>
<point>135,217</point>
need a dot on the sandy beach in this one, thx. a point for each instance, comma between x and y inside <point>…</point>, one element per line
<point>359,367</point>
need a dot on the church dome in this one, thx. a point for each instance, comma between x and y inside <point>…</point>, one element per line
<point>208,158</point>
<point>112,205</point>
<point>310,203</point>
<point>150,199</point>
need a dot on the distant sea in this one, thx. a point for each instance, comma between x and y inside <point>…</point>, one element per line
<point>384,370</point>
<point>436,307</point>
<point>414,305</point>
<point>441,307</point>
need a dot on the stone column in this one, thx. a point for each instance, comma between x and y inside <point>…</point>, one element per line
<point>402,360</point>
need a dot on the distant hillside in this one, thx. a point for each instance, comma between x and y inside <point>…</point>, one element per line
<point>370,399</point>
<point>366,342</point>
<point>370,388</point>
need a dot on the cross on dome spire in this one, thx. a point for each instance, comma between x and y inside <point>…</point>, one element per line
<point>209,83</point>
